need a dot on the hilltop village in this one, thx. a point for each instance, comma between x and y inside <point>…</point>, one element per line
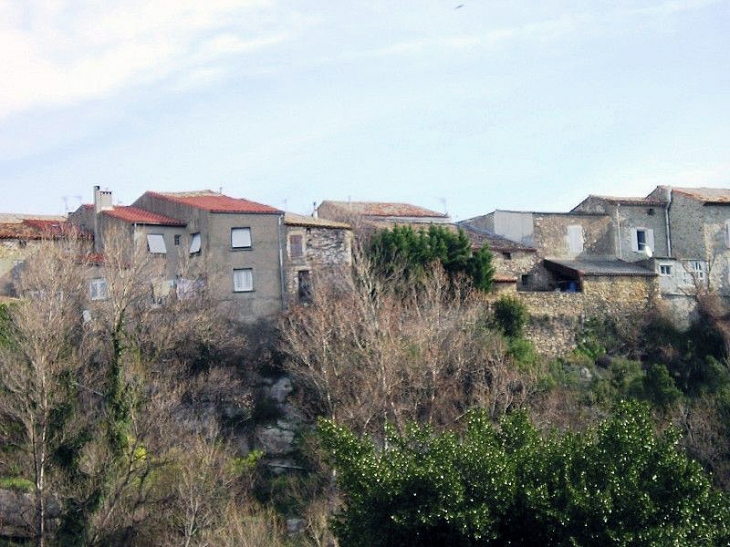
<point>201,369</point>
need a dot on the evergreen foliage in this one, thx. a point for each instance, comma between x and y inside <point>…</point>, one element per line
<point>403,250</point>
<point>620,484</point>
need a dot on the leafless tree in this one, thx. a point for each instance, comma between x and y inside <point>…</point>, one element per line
<point>40,358</point>
<point>369,351</point>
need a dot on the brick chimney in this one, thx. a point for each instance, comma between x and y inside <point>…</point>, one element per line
<point>102,202</point>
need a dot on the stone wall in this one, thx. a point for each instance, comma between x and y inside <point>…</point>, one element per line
<point>325,251</point>
<point>551,234</point>
<point>556,317</point>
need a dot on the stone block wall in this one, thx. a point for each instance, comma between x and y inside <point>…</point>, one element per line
<point>556,317</point>
<point>325,252</point>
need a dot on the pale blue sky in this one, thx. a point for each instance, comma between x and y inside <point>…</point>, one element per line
<point>496,104</point>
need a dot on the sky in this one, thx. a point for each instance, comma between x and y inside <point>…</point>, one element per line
<point>461,106</point>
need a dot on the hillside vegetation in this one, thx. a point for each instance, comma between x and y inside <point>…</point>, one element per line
<point>134,420</point>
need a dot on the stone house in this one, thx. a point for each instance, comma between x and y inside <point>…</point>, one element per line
<point>511,260</point>
<point>19,235</point>
<point>367,216</point>
<point>315,247</point>
<point>241,251</point>
<point>699,234</point>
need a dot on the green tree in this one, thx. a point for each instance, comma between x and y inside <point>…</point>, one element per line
<point>620,484</point>
<point>403,250</point>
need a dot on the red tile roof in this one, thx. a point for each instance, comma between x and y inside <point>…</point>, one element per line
<point>717,196</point>
<point>34,229</point>
<point>215,202</point>
<point>135,215</point>
<point>385,209</point>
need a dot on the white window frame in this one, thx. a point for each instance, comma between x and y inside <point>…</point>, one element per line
<point>575,238</point>
<point>156,244</point>
<point>241,238</point>
<point>98,289</point>
<point>665,270</point>
<point>640,247</point>
<point>696,270</point>
<point>195,243</point>
<point>243,280</point>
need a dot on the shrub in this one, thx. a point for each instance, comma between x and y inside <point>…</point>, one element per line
<point>510,316</point>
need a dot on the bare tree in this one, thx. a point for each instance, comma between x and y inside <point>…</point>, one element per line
<point>40,361</point>
<point>369,351</point>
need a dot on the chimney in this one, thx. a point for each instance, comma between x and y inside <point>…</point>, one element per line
<point>102,200</point>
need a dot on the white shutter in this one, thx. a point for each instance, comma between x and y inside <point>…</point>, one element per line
<point>195,243</point>
<point>650,239</point>
<point>243,280</point>
<point>240,237</point>
<point>634,240</point>
<point>156,243</point>
<point>575,238</point>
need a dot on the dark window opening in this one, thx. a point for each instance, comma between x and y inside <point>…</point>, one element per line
<point>177,239</point>
<point>304,282</point>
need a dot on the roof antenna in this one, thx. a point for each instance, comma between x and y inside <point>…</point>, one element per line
<point>220,189</point>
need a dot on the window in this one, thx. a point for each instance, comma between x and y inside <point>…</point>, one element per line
<point>241,238</point>
<point>506,255</point>
<point>304,281</point>
<point>98,289</point>
<point>525,280</point>
<point>575,238</point>
<point>296,246</point>
<point>665,269</point>
<point>243,280</point>
<point>697,269</point>
<point>642,239</point>
<point>195,243</point>
<point>156,244</point>
<point>177,239</point>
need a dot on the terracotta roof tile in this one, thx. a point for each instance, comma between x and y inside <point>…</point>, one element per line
<point>385,209</point>
<point>291,219</point>
<point>215,202</point>
<point>719,196</point>
<point>644,202</point>
<point>135,215</point>
<point>480,236</point>
<point>34,229</point>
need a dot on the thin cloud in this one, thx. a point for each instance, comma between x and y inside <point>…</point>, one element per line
<point>60,53</point>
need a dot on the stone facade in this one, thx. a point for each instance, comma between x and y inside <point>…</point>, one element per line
<point>700,234</point>
<point>635,225</point>
<point>556,316</point>
<point>316,250</point>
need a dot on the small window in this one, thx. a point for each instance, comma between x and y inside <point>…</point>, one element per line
<point>665,269</point>
<point>243,280</point>
<point>177,239</point>
<point>525,280</point>
<point>156,244</point>
<point>98,289</point>
<point>507,256</point>
<point>195,243</point>
<point>642,240</point>
<point>304,280</point>
<point>697,269</point>
<point>241,238</point>
<point>296,246</point>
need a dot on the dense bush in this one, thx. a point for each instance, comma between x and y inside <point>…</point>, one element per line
<point>405,251</point>
<point>510,316</point>
<point>619,484</point>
